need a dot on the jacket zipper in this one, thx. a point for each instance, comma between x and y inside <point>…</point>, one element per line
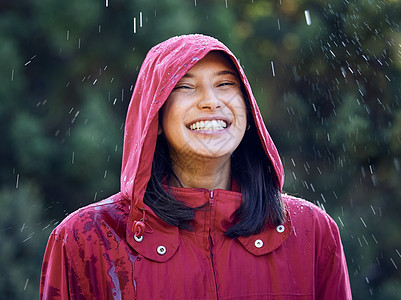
<point>211,197</point>
<point>211,201</point>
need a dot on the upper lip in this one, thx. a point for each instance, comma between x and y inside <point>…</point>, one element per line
<point>209,118</point>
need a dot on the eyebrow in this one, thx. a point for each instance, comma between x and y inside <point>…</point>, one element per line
<point>219,73</point>
<point>226,72</point>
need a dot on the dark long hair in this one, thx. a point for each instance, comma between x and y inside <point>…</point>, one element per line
<point>253,171</point>
<point>261,205</point>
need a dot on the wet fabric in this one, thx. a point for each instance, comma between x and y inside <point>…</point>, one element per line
<point>94,253</point>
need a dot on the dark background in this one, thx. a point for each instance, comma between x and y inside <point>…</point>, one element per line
<point>329,90</point>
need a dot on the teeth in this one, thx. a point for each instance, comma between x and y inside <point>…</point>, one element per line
<point>208,125</point>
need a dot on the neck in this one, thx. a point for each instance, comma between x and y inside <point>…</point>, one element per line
<point>214,173</point>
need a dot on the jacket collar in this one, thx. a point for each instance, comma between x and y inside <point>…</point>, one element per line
<point>268,240</point>
<point>159,235</point>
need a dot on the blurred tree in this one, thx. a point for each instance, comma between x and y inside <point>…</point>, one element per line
<point>326,74</point>
<point>23,237</point>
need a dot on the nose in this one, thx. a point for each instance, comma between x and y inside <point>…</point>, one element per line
<point>209,100</point>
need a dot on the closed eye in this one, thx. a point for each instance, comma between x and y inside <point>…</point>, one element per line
<point>182,87</point>
<point>226,83</point>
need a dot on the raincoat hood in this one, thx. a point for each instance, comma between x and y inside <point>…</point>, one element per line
<point>162,68</point>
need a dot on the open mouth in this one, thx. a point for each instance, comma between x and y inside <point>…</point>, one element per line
<point>208,125</point>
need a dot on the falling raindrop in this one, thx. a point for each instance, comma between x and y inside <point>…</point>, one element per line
<point>373,210</point>
<point>272,65</point>
<point>307,18</point>
<point>393,262</point>
<point>366,242</point>
<point>29,237</point>
<point>134,29</point>
<point>341,221</point>
<point>26,284</point>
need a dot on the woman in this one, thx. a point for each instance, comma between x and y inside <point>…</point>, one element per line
<point>200,214</point>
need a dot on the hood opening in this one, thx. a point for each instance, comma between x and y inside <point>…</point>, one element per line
<point>163,66</point>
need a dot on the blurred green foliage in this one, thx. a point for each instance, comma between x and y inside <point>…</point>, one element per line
<point>329,91</point>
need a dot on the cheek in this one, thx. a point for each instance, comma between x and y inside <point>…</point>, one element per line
<point>241,112</point>
<point>167,113</point>
<point>172,122</point>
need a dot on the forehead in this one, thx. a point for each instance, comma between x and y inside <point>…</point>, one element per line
<point>214,59</point>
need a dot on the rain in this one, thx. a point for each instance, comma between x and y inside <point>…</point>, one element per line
<point>327,77</point>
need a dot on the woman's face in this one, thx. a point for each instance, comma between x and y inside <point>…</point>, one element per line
<point>205,114</point>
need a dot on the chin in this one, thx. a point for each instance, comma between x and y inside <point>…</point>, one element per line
<point>213,152</point>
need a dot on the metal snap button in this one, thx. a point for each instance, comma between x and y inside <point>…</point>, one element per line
<point>161,250</point>
<point>138,239</point>
<point>280,228</point>
<point>258,243</point>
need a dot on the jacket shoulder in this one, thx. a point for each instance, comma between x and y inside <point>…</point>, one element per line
<point>113,211</point>
<point>306,209</point>
<point>311,219</point>
<point>74,247</point>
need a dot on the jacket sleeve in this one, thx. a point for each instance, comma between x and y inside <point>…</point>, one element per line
<point>62,274</point>
<point>332,281</point>
<point>54,276</point>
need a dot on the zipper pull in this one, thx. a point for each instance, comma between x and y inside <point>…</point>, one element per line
<point>211,197</point>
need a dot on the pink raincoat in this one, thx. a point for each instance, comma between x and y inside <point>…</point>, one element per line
<point>93,253</point>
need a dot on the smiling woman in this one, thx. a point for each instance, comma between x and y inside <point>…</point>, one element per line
<point>204,120</point>
<point>201,213</point>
